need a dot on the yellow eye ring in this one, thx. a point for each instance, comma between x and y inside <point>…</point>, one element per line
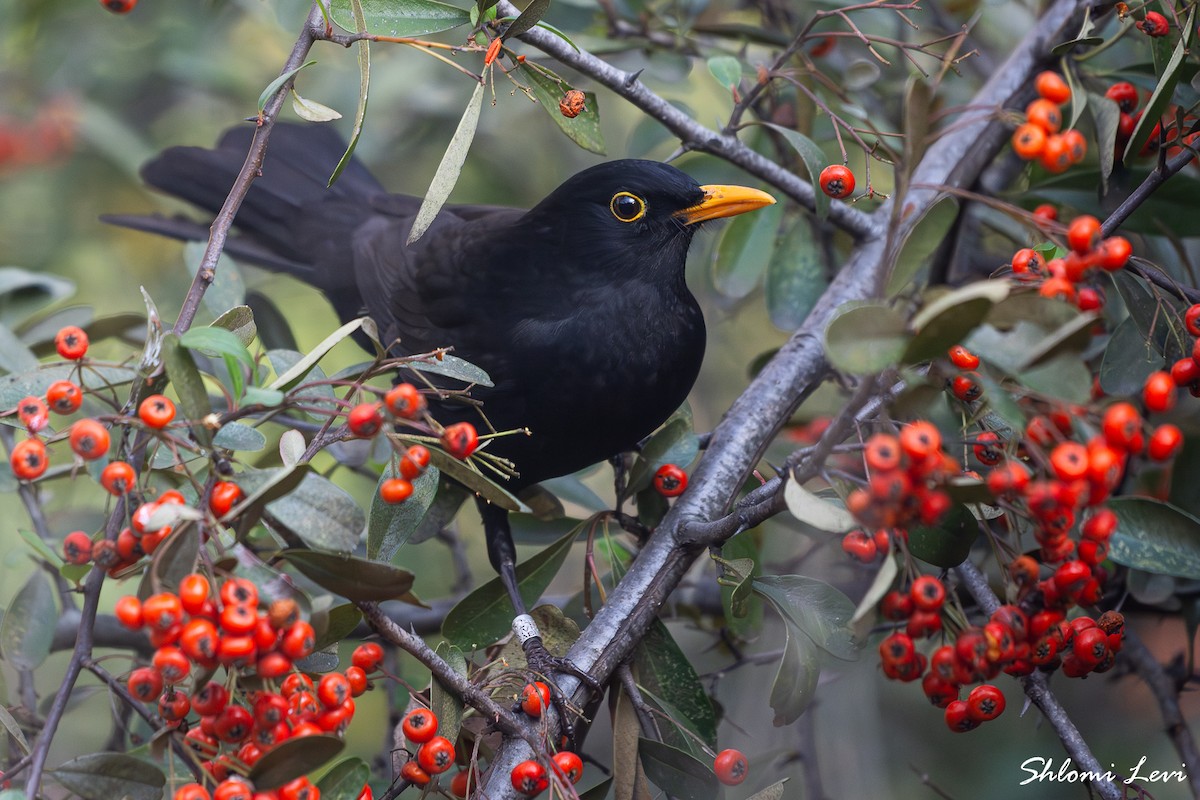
<point>627,207</point>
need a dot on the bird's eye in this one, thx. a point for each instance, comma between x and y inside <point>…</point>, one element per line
<point>627,207</point>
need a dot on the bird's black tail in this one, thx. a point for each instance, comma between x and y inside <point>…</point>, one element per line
<point>290,221</point>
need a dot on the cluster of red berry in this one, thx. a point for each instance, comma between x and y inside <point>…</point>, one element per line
<point>195,631</point>
<point>1070,277</point>
<point>1038,138</point>
<point>405,401</point>
<point>1012,641</point>
<point>904,475</point>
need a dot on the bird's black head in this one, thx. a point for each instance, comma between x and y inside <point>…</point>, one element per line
<point>633,215</point>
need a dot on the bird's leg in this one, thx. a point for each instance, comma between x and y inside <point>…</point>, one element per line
<point>503,555</point>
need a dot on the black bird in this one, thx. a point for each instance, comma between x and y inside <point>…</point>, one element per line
<point>577,308</point>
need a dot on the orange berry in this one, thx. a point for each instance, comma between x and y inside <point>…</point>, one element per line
<point>1045,114</point>
<point>29,459</point>
<point>1051,86</point>
<point>1028,141</point>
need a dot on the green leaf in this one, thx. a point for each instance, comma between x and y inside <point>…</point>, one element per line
<point>311,110</point>
<point>290,759</point>
<point>238,436</point>
<point>15,388</point>
<point>390,526</point>
<point>879,587</point>
<point>321,513</point>
<point>744,251</point>
<point>217,342</point>
<point>795,682</point>
<point>1128,360</point>
<point>864,338</point>
<point>814,160</point>
<point>400,17</point>
<point>816,609</point>
<point>1071,338</point>
<point>40,547</point>
<point>297,371</point>
<point>14,730</point>
<point>664,669</point>
<point>1163,92</point>
<point>175,559</point>
<point>263,487</point>
<point>254,395</point>
<point>239,320</point>
<point>677,771</point>
<point>189,386</point>
<point>548,89</point>
<point>364,85</point>
<point>1155,537</point>
<point>947,320</point>
<point>1106,117</point>
<point>453,367</point>
<point>345,779</point>
<point>486,488</point>
<point>274,86</point>
<point>485,615</point>
<point>23,292</point>
<point>816,511</point>
<point>795,277</point>
<point>527,18</point>
<point>947,544</point>
<point>598,792</point>
<point>340,622</point>
<point>727,70</point>
<point>27,629</point>
<point>451,165</point>
<point>104,776</point>
<point>14,355</point>
<point>353,578</point>
<point>1085,39</point>
<point>444,703</point>
<point>924,238</point>
<point>227,290</point>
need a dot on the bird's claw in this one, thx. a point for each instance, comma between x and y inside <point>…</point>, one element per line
<point>542,662</point>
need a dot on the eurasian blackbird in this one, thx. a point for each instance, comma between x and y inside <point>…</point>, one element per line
<point>577,309</point>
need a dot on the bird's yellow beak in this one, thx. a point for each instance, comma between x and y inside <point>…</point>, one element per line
<point>724,201</point>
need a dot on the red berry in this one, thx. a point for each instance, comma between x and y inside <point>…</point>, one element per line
<point>128,610</point>
<point>223,497</point>
<point>64,397</point>
<point>333,690</point>
<point>460,440</point>
<point>837,181</point>
<point>118,478</point>
<point>1158,392</point>
<point>534,698</point>
<point>436,756</point>
<point>210,699</point>
<point>858,545</point>
<point>77,549</point>
<point>928,593</point>
<point>33,413</point>
<point>529,778</point>
<point>731,767</point>
<point>233,724</point>
<point>29,459</point>
<point>238,592</point>
<point>1155,24</point>
<point>193,592</point>
<point>670,480</point>
<point>145,684</point>
<point>420,725</point>
<point>298,641</point>
<point>233,788</point>
<point>1051,86</point>
<point>568,765</point>
<point>985,703</point>
<point>963,358</point>
<point>404,400</point>
<point>156,411</point>
<point>162,611</point>
<point>412,772</point>
<point>1083,233</point>
<point>1114,253</point>
<point>189,791</point>
<point>958,717</point>
<point>71,342</point>
<point>1125,95</point>
<point>1191,319</point>
<point>367,656</point>
<point>358,680</point>
<point>364,420</point>
<point>1165,442</point>
<point>414,462</point>
<point>395,490</point>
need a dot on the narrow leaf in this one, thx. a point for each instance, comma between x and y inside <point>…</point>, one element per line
<point>311,110</point>
<point>189,386</point>
<point>795,682</point>
<point>744,251</point>
<point>816,511</point>
<point>364,85</point>
<point>390,526</point>
<point>795,277</point>
<point>485,615</point>
<point>677,771</point>
<point>298,370</point>
<point>290,759</point>
<point>814,160</point>
<point>345,779</point>
<point>450,166</point>
<point>548,89</point>
<point>274,85</point>
<point>1163,92</point>
<point>399,17</point>
<point>239,320</point>
<point>351,577</point>
<point>527,18</point>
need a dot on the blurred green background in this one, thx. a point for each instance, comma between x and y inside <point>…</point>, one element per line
<point>87,96</point>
